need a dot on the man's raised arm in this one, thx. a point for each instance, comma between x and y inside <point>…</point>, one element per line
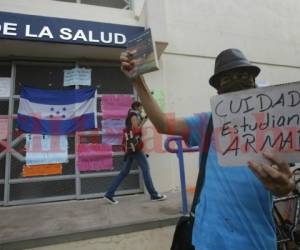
<point>163,124</point>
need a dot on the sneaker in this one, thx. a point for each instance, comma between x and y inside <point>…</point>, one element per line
<point>159,197</point>
<point>111,200</point>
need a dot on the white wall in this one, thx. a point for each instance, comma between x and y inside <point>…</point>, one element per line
<point>70,10</point>
<point>265,30</point>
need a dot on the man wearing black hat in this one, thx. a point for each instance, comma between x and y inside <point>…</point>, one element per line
<point>235,211</point>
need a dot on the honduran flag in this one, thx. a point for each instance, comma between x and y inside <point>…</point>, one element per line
<point>57,112</point>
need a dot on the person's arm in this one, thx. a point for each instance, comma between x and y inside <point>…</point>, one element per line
<point>163,124</point>
<point>276,177</point>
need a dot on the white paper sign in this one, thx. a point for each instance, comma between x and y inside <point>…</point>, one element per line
<point>3,128</point>
<point>77,76</point>
<point>249,122</point>
<point>5,86</point>
<point>46,149</point>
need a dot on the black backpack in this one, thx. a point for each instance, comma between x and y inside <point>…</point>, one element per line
<point>132,139</point>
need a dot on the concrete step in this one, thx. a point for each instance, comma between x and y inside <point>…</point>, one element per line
<point>51,223</point>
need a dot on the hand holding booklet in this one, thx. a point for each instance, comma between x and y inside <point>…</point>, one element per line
<point>142,50</point>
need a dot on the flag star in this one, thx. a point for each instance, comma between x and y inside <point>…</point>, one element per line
<point>57,112</point>
<point>63,116</point>
<point>51,109</point>
<point>64,109</point>
<point>51,116</point>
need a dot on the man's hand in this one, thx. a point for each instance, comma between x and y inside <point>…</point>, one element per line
<point>127,63</point>
<point>276,177</point>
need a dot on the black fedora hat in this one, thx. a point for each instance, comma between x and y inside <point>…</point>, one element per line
<point>231,59</point>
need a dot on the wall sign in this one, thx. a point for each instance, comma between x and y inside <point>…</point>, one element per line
<point>60,30</point>
<point>77,76</point>
<point>249,122</point>
<point>5,86</point>
<point>3,128</point>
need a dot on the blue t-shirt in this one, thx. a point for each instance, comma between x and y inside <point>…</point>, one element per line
<point>235,209</point>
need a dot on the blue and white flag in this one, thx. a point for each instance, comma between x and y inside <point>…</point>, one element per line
<point>57,112</point>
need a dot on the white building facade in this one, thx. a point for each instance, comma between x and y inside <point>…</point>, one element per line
<point>41,38</point>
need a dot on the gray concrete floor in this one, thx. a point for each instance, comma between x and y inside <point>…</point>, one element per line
<point>153,239</point>
<point>50,223</point>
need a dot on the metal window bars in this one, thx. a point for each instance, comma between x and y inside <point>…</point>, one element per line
<point>78,177</point>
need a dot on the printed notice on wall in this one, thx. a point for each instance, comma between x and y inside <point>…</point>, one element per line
<point>5,86</point>
<point>3,128</point>
<point>249,122</point>
<point>77,76</point>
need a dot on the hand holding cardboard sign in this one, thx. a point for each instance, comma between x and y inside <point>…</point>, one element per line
<point>276,177</point>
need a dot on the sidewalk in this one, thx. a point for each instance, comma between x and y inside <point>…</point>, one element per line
<point>50,223</point>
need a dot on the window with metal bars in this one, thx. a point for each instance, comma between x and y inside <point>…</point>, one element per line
<point>71,184</point>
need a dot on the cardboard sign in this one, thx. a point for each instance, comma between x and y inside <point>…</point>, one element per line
<point>249,122</point>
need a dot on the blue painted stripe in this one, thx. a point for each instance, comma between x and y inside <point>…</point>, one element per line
<point>57,97</point>
<point>34,125</point>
